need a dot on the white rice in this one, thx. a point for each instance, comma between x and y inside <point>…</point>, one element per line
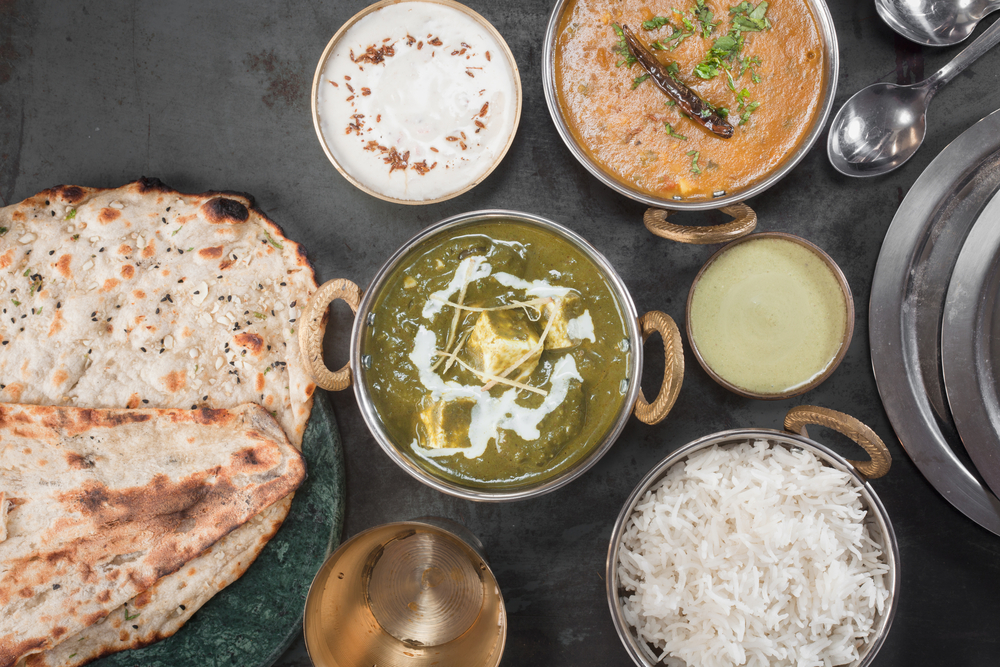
<point>752,555</point>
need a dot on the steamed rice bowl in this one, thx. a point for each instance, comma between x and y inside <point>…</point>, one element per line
<point>752,554</point>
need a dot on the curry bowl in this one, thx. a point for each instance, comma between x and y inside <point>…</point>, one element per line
<point>495,356</point>
<point>409,593</point>
<point>633,138</point>
<point>416,101</point>
<point>872,528</point>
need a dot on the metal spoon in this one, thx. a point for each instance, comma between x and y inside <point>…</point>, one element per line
<point>883,125</point>
<point>935,22</point>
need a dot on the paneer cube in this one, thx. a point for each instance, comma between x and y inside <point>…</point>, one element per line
<point>445,424</point>
<point>499,339</point>
<point>561,311</point>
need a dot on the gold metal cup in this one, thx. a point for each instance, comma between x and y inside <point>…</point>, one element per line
<point>409,593</point>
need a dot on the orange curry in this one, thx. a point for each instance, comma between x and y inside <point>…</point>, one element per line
<point>765,74</point>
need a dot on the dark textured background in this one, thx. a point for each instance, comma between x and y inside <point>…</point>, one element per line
<point>215,95</point>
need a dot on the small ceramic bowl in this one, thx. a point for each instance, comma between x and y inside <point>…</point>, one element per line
<point>794,436</point>
<point>755,310</point>
<point>393,102</point>
<point>411,594</point>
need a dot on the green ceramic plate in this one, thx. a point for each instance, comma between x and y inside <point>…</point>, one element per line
<point>253,621</point>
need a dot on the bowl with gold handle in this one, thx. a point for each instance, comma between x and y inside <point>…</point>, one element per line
<point>496,356</point>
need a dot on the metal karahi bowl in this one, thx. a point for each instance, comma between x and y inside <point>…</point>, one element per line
<point>366,317</point>
<point>877,520</point>
<point>831,53</point>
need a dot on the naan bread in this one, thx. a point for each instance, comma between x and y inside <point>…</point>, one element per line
<point>144,297</point>
<point>106,502</point>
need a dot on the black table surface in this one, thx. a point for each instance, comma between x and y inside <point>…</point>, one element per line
<point>215,95</point>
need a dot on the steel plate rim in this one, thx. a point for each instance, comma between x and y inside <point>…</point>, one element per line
<point>907,406</point>
<point>963,358</point>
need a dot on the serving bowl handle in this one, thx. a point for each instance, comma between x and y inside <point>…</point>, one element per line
<point>744,221</point>
<point>311,332</point>
<point>673,367</point>
<point>802,415</point>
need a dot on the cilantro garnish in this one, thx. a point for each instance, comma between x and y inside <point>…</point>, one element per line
<point>622,49</point>
<point>71,214</point>
<point>673,133</point>
<point>704,16</point>
<point>748,18</point>
<point>273,242</point>
<point>3,230</point>
<point>655,23</point>
<point>694,155</point>
<point>726,50</point>
<point>638,81</point>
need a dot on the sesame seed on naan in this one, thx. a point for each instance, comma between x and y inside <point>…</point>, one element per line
<point>141,296</point>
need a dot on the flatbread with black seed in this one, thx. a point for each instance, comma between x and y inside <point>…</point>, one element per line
<point>141,296</point>
<point>107,502</point>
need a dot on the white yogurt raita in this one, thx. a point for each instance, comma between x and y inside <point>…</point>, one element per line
<point>417,101</point>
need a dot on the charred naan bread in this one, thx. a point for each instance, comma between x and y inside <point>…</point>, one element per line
<point>141,296</point>
<point>106,502</point>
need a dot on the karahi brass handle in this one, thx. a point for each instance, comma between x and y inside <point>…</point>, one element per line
<point>744,221</point>
<point>312,326</point>
<point>673,367</point>
<point>802,415</point>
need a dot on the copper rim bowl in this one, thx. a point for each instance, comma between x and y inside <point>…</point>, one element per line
<point>311,339</point>
<point>831,53</point>
<point>794,435</point>
<point>318,80</point>
<point>845,289</point>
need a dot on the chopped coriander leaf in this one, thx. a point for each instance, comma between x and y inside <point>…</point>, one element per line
<point>673,41</point>
<point>135,615</point>
<point>71,214</point>
<point>273,242</point>
<point>622,49</point>
<point>267,370</point>
<point>259,316</point>
<point>15,302</point>
<point>746,114</point>
<point>730,82</point>
<point>655,23</point>
<point>638,81</point>
<point>673,133</point>
<point>3,230</point>
<point>673,70</point>
<point>747,18</point>
<point>174,233</point>
<point>694,155</point>
<point>704,16</point>
<point>39,310</point>
<point>75,237</point>
<point>190,249</point>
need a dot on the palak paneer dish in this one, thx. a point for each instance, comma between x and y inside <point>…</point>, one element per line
<point>758,70</point>
<point>498,355</point>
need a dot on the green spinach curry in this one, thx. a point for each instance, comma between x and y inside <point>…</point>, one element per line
<point>498,355</point>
